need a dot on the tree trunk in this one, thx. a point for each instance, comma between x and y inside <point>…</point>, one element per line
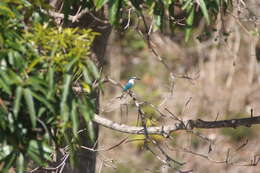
<point>86,160</point>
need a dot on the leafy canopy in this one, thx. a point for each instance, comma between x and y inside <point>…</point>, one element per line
<point>170,15</point>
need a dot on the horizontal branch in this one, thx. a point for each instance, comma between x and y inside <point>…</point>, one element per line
<point>167,129</point>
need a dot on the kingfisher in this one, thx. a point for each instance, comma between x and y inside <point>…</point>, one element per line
<point>130,83</point>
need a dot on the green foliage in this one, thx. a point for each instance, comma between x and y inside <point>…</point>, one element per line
<point>162,11</point>
<point>39,65</point>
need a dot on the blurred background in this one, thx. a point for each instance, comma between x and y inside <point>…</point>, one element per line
<point>217,77</point>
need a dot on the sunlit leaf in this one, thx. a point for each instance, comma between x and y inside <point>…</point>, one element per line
<point>86,87</point>
<point>186,4</point>
<point>100,3</point>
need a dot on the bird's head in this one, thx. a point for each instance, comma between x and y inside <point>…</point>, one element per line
<point>134,78</point>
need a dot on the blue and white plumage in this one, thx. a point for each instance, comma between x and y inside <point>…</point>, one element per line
<point>130,84</point>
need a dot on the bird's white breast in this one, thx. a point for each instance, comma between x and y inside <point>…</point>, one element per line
<point>131,81</point>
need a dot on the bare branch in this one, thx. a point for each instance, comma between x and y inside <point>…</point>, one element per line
<point>167,129</point>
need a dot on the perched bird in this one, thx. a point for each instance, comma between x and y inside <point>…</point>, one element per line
<point>130,83</point>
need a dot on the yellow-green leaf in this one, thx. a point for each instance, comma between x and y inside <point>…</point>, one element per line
<point>100,3</point>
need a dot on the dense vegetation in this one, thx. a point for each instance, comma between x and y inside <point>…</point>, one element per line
<point>40,63</point>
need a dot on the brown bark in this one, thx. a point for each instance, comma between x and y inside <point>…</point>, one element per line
<point>86,160</point>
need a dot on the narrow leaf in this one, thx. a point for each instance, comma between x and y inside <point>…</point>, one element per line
<point>87,76</point>
<point>66,87</point>
<point>189,22</point>
<point>20,163</point>
<point>17,101</point>
<point>8,162</point>
<point>50,78</point>
<point>30,105</point>
<point>93,69</point>
<point>5,87</point>
<point>74,118</point>
<point>113,11</point>
<point>91,131</point>
<point>39,152</point>
<point>65,92</point>
<point>187,4</point>
<point>44,101</point>
<point>100,3</point>
<point>204,11</point>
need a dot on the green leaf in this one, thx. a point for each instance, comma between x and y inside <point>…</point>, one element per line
<point>159,15</point>
<point>204,11</point>
<point>65,92</point>
<point>70,65</point>
<point>50,79</point>
<point>30,105</point>
<point>44,101</point>
<point>87,76</point>
<point>187,4</point>
<point>86,112</point>
<point>8,162</point>
<point>20,163</point>
<point>38,84</point>
<point>17,101</point>
<point>100,3</point>
<point>14,77</point>
<point>113,11</point>
<point>5,11</point>
<point>5,87</point>
<point>91,131</point>
<point>38,152</point>
<point>74,118</point>
<point>189,22</point>
<point>93,69</point>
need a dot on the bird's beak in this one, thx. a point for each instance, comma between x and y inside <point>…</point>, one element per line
<point>138,79</point>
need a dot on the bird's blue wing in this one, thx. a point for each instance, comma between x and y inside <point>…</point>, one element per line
<point>127,86</point>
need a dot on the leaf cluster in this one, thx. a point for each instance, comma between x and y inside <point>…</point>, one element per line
<point>39,66</point>
<point>174,15</point>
